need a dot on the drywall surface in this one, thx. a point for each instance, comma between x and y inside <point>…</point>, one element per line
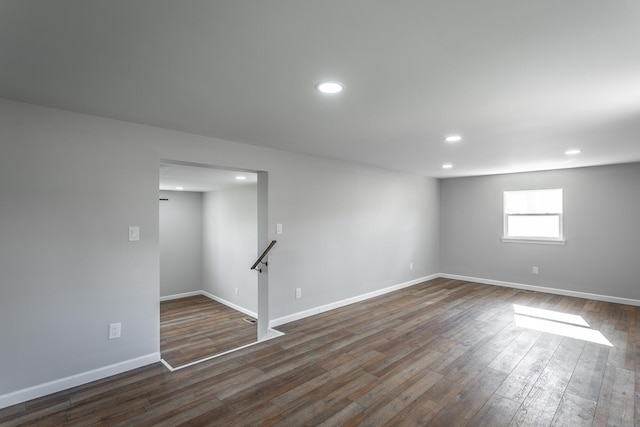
<point>180,242</point>
<point>72,184</point>
<point>230,245</point>
<point>70,187</point>
<point>347,231</point>
<point>601,227</point>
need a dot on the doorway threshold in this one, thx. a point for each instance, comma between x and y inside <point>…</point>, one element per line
<point>271,334</point>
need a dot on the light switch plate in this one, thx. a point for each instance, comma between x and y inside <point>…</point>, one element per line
<point>115,329</point>
<point>134,234</point>
<point>278,228</point>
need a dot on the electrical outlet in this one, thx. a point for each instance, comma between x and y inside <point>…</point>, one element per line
<point>236,291</point>
<point>534,270</point>
<point>298,293</point>
<point>114,330</point>
<point>410,266</point>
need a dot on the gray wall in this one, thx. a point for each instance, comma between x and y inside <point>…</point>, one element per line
<point>601,227</point>
<point>230,245</point>
<point>180,242</point>
<point>71,184</point>
<point>69,189</point>
<point>347,230</point>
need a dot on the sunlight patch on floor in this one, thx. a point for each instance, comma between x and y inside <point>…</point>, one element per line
<point>558,323</point>
<point>550,315</point>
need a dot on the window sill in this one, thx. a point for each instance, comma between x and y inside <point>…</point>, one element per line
<point>534,241</point>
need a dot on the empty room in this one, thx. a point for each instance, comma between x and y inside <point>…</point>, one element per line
<point>441,226</point>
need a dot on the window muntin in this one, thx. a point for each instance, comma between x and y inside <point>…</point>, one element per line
<point>534,215</point>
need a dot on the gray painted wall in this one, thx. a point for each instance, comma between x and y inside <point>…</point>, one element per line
<point>347,231</point>
<point>230,245</point>
<point>601,226</point>
<point>69,189</point>
<point>180,242</point>
<point>71,184</point>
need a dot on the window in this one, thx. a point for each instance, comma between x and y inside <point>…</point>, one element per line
<point>533,216</point>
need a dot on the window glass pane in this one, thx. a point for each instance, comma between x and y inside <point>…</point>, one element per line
<point>533,226</point>
<point>533,201</point>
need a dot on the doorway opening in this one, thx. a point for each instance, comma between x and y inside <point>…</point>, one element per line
<point>212,222</point>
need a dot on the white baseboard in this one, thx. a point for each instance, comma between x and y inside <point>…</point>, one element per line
<point>317,310</point>
<point>271,334</point>
<point>55,386</point>
<point>40,390</point>
<point>556,291</point>
<point>230,304</point>
<point>213,297</point>
<point>178,296</point>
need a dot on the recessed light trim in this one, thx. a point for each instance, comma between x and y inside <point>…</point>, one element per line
<point>453,138</point>
<point>572,152</point>
<point>447,166</point>
<point>329,87</point>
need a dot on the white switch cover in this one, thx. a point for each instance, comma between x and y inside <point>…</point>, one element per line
<point>298,293</point>
<point>278,228</point>
<point>114,330</point>
<point>134,234</point>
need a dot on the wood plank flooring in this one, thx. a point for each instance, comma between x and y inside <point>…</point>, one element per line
<point>197,327</point>
<point>442,353</point>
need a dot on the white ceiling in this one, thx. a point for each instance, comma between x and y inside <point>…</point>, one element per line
<point>201,179</point>
<point>522,81</point>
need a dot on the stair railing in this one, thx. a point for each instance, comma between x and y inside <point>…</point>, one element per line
<point>261,257</point>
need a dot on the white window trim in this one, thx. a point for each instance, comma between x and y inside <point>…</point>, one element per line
<point>535,240</point>
<point>538,241</point>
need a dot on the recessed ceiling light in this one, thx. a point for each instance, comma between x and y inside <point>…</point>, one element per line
<point>241,178</point>
<point>179,188</point>
<point>572,152</point>
<point>447,166</point>
<point>329,87</point>
<point>453,138</point>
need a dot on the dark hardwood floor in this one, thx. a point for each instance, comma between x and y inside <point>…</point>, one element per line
<point>197,327</point>
<point>442,353</point>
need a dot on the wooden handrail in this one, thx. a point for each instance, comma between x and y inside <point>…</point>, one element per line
<point>264,254</point>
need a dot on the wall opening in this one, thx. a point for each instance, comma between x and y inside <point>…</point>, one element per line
<point>212,223</point>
